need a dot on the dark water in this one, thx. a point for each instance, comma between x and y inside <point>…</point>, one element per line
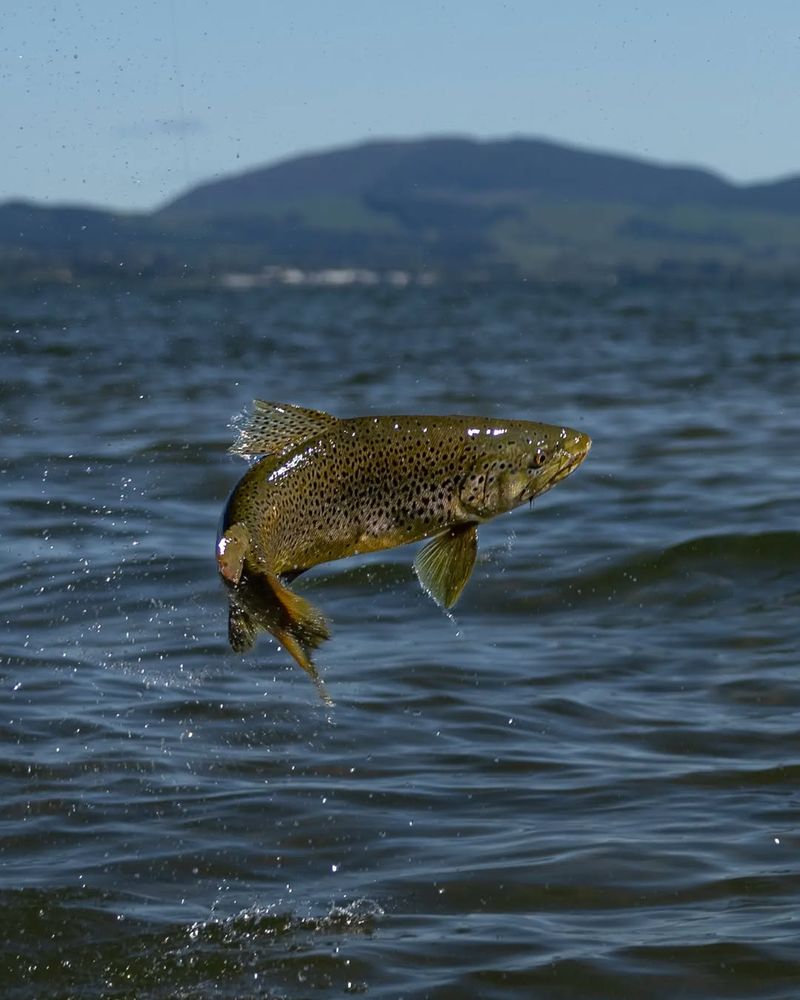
<point>587,785</point>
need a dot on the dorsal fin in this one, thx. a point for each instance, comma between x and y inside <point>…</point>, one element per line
<point>274,428</point>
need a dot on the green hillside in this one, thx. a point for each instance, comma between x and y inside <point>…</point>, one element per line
<point>448,207</point>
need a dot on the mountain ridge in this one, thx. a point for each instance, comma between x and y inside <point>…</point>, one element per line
<point>453,205</point>
<point>514,163</point>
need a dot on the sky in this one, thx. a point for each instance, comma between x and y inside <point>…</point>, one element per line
<point>125,105</point>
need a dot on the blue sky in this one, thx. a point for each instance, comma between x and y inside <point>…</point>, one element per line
<point>127,104</point>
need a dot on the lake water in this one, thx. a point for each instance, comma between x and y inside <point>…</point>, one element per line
<point>586,784</point>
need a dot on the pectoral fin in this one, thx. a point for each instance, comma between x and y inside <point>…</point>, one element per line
<point>445,563</point>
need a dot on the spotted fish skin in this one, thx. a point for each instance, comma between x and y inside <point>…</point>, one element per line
<point>330,488</point>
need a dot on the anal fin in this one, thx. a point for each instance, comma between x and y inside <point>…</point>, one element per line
<point>444,565</point>
<point>301,627</point>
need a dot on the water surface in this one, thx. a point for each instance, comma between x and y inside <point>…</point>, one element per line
<point>584,784</point>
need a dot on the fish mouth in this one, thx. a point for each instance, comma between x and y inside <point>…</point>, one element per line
<point>575,449</point>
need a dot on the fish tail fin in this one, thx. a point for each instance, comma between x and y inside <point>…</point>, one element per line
<point>243,627</point>
<point>261,603</point>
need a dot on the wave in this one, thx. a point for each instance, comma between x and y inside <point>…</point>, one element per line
<point>699,570</point>
<point>83,943</point>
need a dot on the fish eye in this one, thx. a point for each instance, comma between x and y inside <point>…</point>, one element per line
<point>539,458</point>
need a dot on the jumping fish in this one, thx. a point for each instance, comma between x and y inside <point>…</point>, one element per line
<point>329,488</point>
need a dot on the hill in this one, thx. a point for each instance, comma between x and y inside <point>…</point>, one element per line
<point>378,171</point>
<point>453,206</point>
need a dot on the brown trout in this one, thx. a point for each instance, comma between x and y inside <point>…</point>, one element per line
<point>330,488</point>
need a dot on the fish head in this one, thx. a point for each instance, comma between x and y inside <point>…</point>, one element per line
<point>518,462</point>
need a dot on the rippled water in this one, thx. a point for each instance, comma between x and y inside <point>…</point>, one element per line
<point>585,785</point>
